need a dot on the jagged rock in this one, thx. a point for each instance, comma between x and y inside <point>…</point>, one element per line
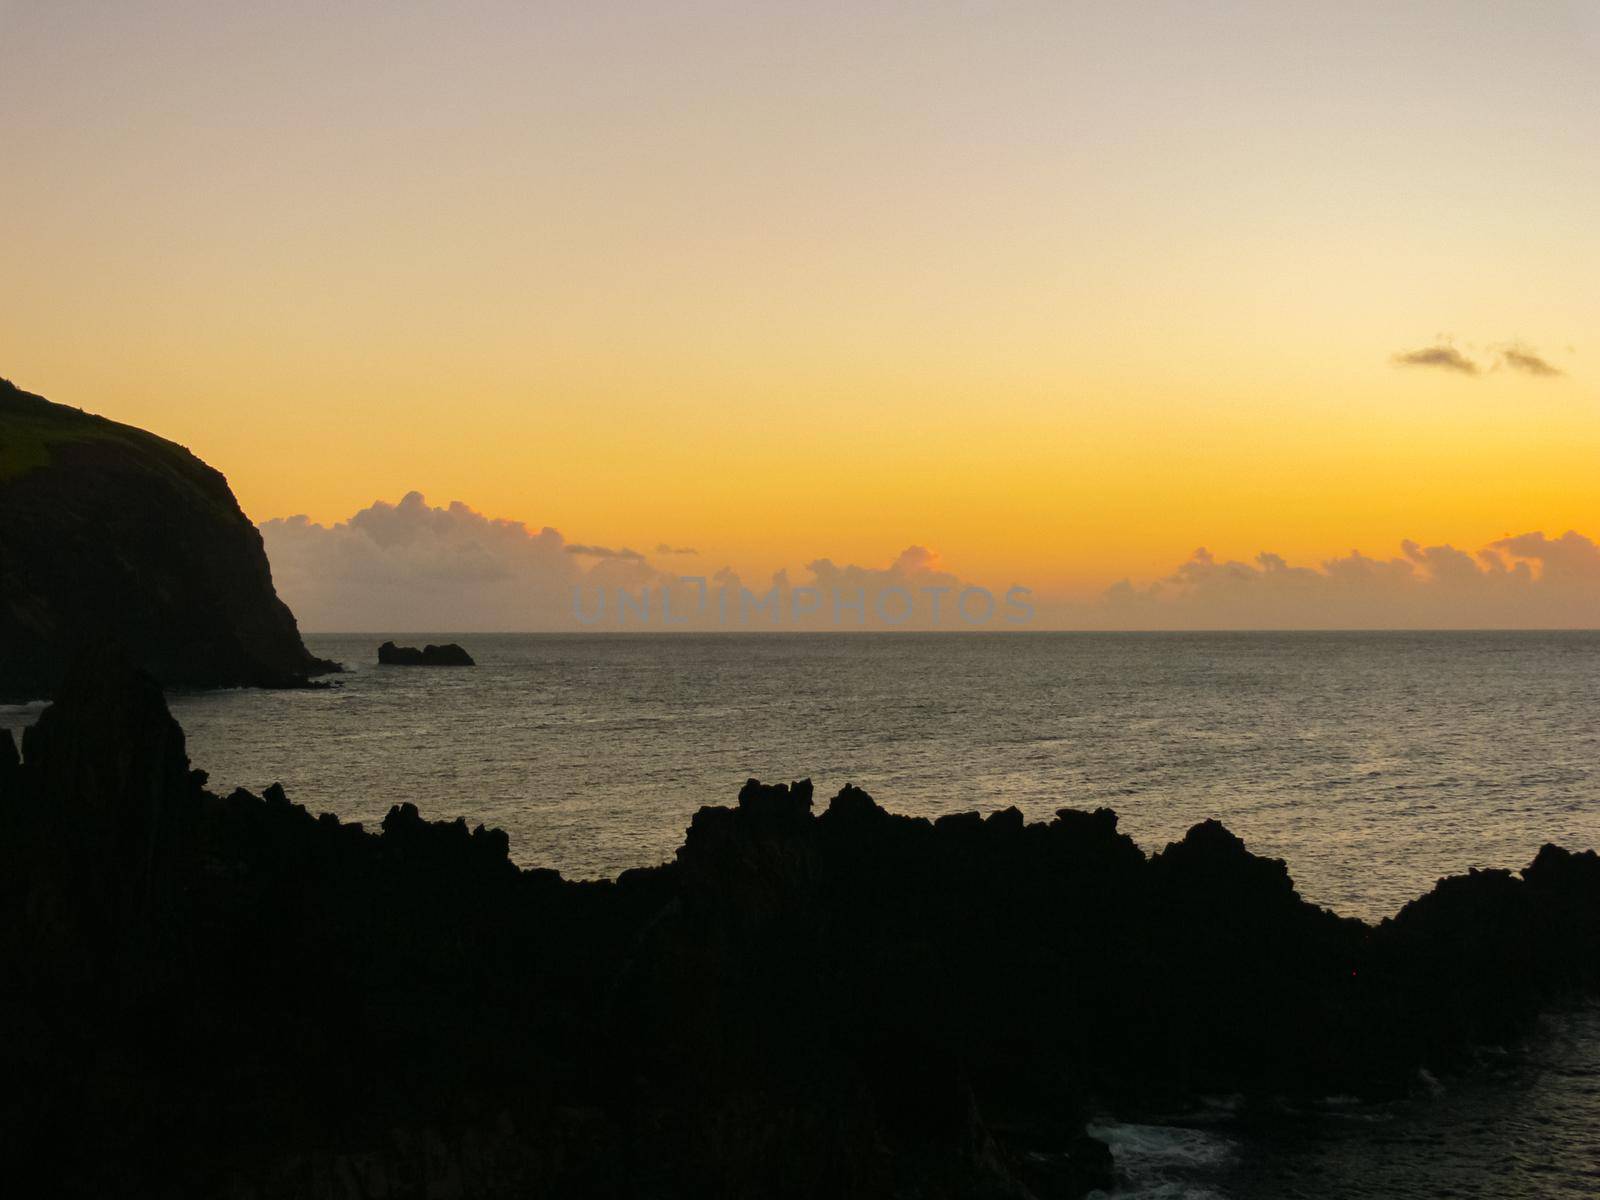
<point>448,655</point>
<point>253,1000</point>
<point>108,528</point>
<point>853,808</point>
<point>776,806</point>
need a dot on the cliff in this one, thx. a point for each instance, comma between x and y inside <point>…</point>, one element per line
<point>205,995</point>
<point>111,533</point>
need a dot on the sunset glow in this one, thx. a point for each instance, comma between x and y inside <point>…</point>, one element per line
<point>1060,292</point>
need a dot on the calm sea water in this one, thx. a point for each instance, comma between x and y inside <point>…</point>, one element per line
<point>1372,763</point>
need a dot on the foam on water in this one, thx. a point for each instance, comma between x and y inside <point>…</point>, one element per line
<point>1164,1162</point>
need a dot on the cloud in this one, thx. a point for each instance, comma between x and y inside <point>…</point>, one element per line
<point>1529,581</point>
<point>664,548</point>
<point>606,552</point>
<point>917,566</point>
<point>414,567</point>
<point>1519,358</point>
<point>1441,355</point>
<point>1445,357</point>
<point>1569,559</point>
<point>913,592</point>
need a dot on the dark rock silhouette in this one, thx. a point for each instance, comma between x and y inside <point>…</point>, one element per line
<point>448,655</point>
<point>107,528</point>
<point>205,995</point>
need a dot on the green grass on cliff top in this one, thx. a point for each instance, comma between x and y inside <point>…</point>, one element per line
<point>24,447</point>
<point>31,428</point>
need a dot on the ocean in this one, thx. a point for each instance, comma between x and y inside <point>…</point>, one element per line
<point>1372,763</point>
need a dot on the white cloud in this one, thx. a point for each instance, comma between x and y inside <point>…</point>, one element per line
<point>410,566</point>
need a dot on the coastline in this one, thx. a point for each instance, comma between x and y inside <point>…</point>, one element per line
<point>938,1004</point>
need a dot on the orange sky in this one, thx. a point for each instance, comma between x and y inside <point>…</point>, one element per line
<point>1061,292</point>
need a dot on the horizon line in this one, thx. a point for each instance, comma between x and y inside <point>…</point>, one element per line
<point>781,632</point>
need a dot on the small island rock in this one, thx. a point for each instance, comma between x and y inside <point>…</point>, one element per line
<point>449,655</point>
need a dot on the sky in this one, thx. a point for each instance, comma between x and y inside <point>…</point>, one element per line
<point>1054,293</point>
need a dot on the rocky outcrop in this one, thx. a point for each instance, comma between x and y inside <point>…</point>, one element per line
<point>204,995</point>
<point>448,655</point>
<point>109,532</point>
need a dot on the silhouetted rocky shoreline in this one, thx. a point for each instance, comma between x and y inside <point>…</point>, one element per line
<point>205,995</point>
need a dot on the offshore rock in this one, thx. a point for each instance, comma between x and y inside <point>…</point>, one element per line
<point>448,655</point>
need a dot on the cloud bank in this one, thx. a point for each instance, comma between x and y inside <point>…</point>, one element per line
<point>414,567</point>
<point>410,566</point>
<point>1531,581</point>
